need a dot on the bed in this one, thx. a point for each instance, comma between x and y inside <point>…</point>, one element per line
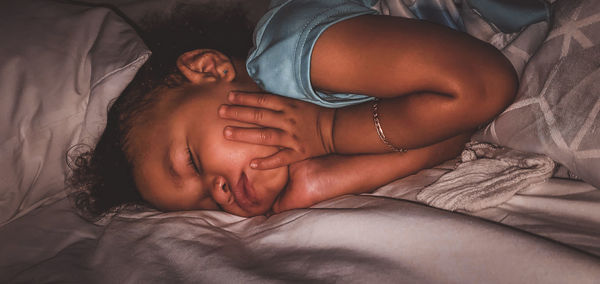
<point>520,205</point>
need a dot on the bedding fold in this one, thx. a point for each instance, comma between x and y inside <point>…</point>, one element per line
<point>350,239</point>
<point>486,176</point>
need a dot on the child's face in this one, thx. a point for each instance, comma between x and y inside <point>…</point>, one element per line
<point>184,125</point>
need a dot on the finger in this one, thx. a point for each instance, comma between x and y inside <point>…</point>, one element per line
<point>258,116</point>
<point>260,136</point>
<point>261,100</point>
<point>281,158</point>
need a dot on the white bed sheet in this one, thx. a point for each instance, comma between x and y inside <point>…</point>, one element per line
<point>348,239</point>
<point>564,210</point>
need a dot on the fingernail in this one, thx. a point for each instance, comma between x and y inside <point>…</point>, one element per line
<point>231,96</point>
<point>253,164</point>
<point>222,110</point>
<point>227,132</point>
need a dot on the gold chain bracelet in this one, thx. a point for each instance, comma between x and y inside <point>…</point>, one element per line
<point>380,130</point>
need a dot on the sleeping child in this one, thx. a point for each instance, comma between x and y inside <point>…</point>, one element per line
<point>332,98</point>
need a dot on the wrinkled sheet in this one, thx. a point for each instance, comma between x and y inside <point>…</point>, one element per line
<point>560,209</point>
<point>347,239</point>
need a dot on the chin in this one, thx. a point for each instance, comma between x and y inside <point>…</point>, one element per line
<point>265,198</point>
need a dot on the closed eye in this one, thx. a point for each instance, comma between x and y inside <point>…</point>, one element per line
<point>191,161</point>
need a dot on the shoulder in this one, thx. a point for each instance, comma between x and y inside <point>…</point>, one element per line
<point>284,39</point>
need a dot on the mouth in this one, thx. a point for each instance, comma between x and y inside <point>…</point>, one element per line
<point>244,193</point>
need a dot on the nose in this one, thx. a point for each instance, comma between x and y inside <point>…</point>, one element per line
<point>221,191</point>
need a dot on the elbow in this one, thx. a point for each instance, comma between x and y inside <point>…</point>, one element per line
<point>495,90</point>
<point>501,89</point>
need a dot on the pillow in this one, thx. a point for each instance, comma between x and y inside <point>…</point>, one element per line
<point>556,111</point>
<point>60,66</point>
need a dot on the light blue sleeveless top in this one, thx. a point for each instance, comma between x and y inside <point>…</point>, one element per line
<point>285,36</point>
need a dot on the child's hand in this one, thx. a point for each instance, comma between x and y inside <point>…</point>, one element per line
<point>318,179</point>
<point>307,186</point>
<point>301,130</point>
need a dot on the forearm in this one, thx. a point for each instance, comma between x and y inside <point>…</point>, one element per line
<point>434,82</point>
<point>409,122</point>
<point>322,178</point>
<point>364,173</point>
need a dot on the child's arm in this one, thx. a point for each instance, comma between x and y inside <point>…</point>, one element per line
<point>322,178</point>
<point>434,83</point>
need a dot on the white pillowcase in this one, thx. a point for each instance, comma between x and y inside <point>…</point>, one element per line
<point>60,66</point>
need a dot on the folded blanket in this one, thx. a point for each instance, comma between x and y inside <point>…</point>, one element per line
<point>486,176</point>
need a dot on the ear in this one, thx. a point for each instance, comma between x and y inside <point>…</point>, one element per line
<point>205,66</point>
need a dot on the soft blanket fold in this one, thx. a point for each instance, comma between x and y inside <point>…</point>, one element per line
<point>486,176</point>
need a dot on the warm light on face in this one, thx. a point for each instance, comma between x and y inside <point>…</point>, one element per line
<point>182,161</point>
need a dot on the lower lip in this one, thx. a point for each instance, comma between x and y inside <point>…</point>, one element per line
<point>244,194</point>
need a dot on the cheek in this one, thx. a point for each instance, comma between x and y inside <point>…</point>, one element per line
<point>224,151</point>
<point>225,155</point>
<point>270,183</point>
<point>216,151</point>
<point>237,153</point>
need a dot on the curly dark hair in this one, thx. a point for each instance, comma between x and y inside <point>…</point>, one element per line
<point>102,177</point>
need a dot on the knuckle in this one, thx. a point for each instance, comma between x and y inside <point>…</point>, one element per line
<point>265,136</point>
<point>291,121</point>
<point>302,150</point>
<point>277,160</point>
<point>261,99</point>
<point>258,115</point>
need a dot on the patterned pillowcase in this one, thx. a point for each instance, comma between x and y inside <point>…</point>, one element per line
<point>558,104</point>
